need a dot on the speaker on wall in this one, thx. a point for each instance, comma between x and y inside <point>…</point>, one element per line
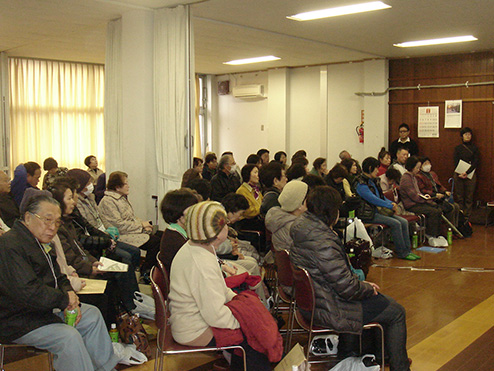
<point>224,87</point>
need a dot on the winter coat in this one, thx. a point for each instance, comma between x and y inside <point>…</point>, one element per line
<point>88,208</point>
<point>278,222</point>
<point>338,291</point>
<point>75,254</point>
<point>27,285</point>
<point>116,210</point>
<point>426,182</point>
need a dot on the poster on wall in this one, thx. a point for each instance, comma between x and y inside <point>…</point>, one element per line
<point>428,125</point>
<point>452,116</point>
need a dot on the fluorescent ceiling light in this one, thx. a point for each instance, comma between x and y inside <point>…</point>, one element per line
<point>446,40</point>
<point>342,10</point>
<point>252,60</point>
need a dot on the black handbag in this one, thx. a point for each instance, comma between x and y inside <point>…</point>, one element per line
<point>359,252</point>
<point>365,211</point>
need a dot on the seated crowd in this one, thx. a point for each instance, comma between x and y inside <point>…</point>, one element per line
<point>221,225</point>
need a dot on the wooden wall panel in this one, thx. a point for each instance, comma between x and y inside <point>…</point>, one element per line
<point>478,111</point>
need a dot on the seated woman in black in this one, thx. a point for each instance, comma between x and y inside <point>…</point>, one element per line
<point>343,303</point>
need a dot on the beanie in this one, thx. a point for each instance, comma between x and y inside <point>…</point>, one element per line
<point>204,221</point>
<point>293,195</point>
<point>80,176</point>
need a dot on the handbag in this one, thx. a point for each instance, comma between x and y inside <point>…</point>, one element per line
<point>365,210</point>
<point>359,251</point>
<point>131,332</point>
<point>385,211</point>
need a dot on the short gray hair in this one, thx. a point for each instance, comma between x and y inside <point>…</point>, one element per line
<point>34,204</point>
<point>223,161</point>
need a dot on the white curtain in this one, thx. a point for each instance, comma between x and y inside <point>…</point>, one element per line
<point>173,89</point>
<point>113,96</point>
<point>4,112</point>
<point>56,110</point>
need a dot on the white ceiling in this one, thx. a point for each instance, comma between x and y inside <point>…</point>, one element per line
<point>75,30</point>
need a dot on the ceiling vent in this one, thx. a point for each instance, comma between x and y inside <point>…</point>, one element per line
<point>249,91</point>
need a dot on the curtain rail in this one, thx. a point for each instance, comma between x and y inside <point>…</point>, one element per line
<point>466,84</point>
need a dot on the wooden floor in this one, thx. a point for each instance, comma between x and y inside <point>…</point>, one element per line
<point>450,310</point>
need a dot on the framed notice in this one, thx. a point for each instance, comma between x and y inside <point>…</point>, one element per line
<point>452,114</point>
<point>428,125</point>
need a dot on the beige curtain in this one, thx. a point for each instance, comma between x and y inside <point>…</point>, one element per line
<point>197,128</point>
<point>56,110</point>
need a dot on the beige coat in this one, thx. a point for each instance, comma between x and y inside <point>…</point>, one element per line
<point>116,210</point>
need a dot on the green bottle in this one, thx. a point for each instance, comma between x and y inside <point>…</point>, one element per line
<point>71,317</point>
<point>415,240</point>
<point>450,237</point>
<point>114,333</point>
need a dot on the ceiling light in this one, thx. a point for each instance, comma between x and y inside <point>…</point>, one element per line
<point>446,40</point>
<point>342,10</point>
<point>252,60</point>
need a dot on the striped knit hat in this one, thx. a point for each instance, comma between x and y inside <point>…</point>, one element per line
<point>204,221</point>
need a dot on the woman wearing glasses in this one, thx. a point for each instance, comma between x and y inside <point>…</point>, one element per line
<point>121,285</point>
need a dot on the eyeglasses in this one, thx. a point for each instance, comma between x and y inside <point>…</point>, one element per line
<point>48,222</point>
<point>403,131</point>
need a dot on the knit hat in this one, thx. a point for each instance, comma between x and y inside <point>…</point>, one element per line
<point>293,195</point>
<point>81,177</point>
<point>28,195</point>
<point>204,221</point>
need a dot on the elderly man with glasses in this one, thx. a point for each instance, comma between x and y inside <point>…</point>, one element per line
<point>34,295</point>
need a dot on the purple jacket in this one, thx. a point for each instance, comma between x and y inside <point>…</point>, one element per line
<point>409,191</point>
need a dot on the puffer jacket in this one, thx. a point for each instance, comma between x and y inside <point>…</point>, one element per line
<point>278,222</point>
<point>318,249</point>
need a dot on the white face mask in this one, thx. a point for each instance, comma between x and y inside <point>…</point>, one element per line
<point>90,189</point>
<point>427,168</point>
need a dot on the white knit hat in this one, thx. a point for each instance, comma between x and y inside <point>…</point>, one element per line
<point>293,195</point>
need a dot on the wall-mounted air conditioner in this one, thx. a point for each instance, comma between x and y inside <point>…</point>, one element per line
<point>248,91</point>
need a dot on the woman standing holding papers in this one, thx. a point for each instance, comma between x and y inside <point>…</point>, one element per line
<point>464,184</point>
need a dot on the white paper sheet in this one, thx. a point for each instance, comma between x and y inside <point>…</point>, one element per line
<point>93,287</point>
<point>462,167</point>
<point>110,265</point>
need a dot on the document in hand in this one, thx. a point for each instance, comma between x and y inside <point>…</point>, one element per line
<point>462,167</point>
<point>110,265</point>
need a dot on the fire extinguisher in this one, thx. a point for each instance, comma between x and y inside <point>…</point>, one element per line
<point>360,132</point>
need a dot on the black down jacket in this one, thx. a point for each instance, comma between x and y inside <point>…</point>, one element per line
<point>318,249</point>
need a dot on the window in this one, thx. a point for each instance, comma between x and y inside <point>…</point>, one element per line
<point>56,110</point>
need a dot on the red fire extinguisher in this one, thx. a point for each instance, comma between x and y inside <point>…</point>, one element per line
<point>360,132</point>
<point>360,129</point>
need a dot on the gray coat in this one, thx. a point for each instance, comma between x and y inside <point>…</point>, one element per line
<point>116,210</point>
<point>279,222</point>
<point>318,249</point>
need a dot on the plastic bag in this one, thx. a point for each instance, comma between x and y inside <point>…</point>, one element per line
<point>127,354</point>
<point>356,364</point>
<point>356,229</point>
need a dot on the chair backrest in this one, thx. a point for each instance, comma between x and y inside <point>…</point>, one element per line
<point>304,289</point>
<point>283,267</point>
<point>162,279</point>
<point>161,315</point>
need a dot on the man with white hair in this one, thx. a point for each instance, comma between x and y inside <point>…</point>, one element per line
<point>35,295</point>
<point>224,181</point>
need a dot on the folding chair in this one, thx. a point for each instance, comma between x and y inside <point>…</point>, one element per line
<point>9,345</point>
<point>165,343</point>
<point>305,300</point>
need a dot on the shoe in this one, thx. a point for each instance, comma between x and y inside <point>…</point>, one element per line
<point>416,256</point>
<point>411,257</point>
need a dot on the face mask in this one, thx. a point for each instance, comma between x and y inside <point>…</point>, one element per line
<point>426,168</point>
<point>90,189</point>
<point>232,169</point>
